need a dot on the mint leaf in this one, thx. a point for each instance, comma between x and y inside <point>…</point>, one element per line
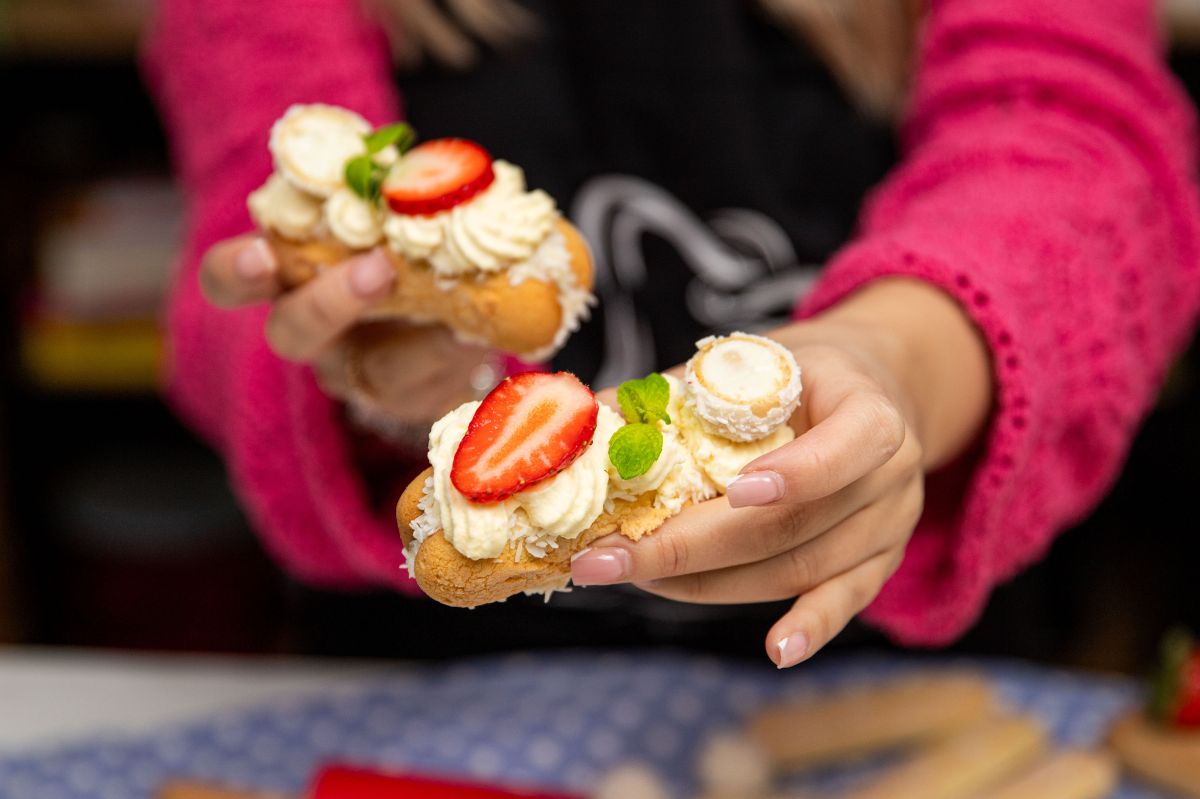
<point>634,448</point>
<point>400,134</point>
<point>645,400</point>
<point>361,178</point>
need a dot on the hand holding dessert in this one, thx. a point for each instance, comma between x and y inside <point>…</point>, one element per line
<point>825,516</point>
<point>470,246</point>
<point>440,246</point>
<point>895,384</point>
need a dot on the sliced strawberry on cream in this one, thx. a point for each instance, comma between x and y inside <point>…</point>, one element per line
<point>438,175</point>
<point>529,428</point>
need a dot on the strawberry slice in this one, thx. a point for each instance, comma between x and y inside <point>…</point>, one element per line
<point>436,175</point>
<point>530,427</point>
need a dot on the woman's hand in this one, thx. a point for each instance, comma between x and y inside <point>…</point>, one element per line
<point>409,374</point>
<point>896,383</point>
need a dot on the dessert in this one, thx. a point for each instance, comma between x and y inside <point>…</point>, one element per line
<point>473,248</point>
<point>865,720</point>
<point>741,386</point>
<point>963,766</point>
<point>523,480</point>
<point>1070,774</point>
<point>1162,744</point>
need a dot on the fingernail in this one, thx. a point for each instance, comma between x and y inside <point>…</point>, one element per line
<point>792,650</point>
<point>370,273</point>
<point>755,488</point>
<point>254,260</point>
<point>600,566</point>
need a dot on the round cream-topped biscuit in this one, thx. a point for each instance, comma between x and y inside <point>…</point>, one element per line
<point>742,387</point>
<point>312,143</point>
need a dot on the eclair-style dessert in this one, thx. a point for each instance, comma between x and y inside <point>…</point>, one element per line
<point>473,248</point>
<point>538,470</point>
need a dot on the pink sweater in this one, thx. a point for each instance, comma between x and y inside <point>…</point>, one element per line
<point>1047,184</point>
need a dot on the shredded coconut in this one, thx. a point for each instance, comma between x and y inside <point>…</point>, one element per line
<point>425,525</point>
<point>552,261</point>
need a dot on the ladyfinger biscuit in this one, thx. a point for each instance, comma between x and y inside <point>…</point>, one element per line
<point>1166,757</point>
<point>1072,774</point>
<point>864,720</point>
<point>453,579</point>
<point>196,790</point>
<point>522,318</point>
<point>963,765</point>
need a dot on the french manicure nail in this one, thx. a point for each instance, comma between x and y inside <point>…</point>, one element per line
<point>255,260</point>
<point>601,566</point>
<point>755,488</point>
<point>792,650</point>
<point>370,273</point>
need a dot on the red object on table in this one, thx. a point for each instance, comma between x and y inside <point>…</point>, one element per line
<point>349,782</point>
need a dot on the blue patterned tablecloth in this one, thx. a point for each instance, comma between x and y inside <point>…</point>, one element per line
<point>557,720</point>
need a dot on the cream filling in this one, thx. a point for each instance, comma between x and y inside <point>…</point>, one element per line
<point>551,262</point>
<point>720,459</point>
<point>537,519</point>
<point>500,227</point>
<point>560,507</point>
<point>280,207</point>
<point>352,220</point>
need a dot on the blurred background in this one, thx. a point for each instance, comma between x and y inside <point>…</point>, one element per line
<point>118,528</point>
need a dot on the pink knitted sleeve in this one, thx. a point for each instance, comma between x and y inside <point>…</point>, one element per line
<point>1048,187</point>
<point>223,71</point>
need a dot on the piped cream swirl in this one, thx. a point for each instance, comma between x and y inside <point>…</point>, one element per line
<point>502,226</point>
<point>279,206</point>
<point>561,506</point>
<point>353,220</point>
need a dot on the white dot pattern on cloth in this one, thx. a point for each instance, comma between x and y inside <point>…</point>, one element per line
<point>559,721</point>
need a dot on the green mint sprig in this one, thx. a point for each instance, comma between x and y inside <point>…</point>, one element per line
<point>645,400</point>
<point>363,175</point>
<point>637,446</point>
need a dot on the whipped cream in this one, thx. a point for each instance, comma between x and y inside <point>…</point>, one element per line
<point>501,226</point>
<point>552,262</point>
<point>477,530</point>
<point>506,227</point>
<point>312,143</point>
<point>718,457</point>
<point>742,387</point>
<point>560,507</point>
<point>280,207</point>
<point>352,220</point>
<point>676,476</point>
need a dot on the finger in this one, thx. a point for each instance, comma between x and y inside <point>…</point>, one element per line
<point>869,532</point>
<point>306,321</point>
<point>239,271</point>
<point>861,434</point>
<point>711,536</point>
<point>330,369</point>
<point>819,615</point>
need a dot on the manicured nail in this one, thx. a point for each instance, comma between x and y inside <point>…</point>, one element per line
<point>600,566</point>
<point>370,273</point>
<point>792,650</point>
<point>254,260</point>
<point>755,488</point>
